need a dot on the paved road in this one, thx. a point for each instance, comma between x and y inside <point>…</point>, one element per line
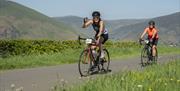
<point>44,78</point>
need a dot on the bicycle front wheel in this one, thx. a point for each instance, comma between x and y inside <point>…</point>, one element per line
<point>84,63</point>
<point>144,57</point>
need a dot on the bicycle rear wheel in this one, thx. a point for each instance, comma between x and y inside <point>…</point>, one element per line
<point>84,63</point>
<point>105,61</point>
<point>144,57</point>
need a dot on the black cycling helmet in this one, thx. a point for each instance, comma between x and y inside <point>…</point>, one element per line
<point>152,23</point>
<point>96,14</point>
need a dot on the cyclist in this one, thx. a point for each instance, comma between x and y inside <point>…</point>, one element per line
<point>153,37</point>
<point>99,27</point>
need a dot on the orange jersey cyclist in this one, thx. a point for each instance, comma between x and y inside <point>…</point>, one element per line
<point>153,37</point>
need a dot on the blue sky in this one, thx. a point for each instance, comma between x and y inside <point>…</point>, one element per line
<point>110,9</point>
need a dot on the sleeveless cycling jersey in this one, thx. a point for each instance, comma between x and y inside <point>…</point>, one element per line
<point>151,31</point>
<point>96,27</point>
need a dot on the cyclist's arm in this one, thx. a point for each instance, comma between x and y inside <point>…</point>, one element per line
<point>154,33</point>
<point>86,24</point>
<point>101,29</point>
<point>145,31</point>
<point>157,29</point>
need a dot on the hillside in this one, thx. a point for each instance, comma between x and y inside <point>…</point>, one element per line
<point>76,23</point>
<point>115,24</point>
<point>130,29</point>
<point>169,26</point>
<point>20,22</point>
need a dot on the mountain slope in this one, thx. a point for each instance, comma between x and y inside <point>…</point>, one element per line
<point>115,24</point>
<point>130,29</point>
<point>76,23</point>
<point>20,22</point>
<point>168,25</point>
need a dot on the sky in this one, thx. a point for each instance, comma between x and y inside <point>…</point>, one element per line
<point>110,9</point>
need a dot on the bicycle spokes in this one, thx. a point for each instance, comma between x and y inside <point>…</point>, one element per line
<point>84,60</point>
<point>84,63</point>
<point>144,57</point>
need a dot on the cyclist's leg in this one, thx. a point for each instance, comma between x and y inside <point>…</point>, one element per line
<point>104,39</point>
<point>94,48</point>
<point>155,41</point>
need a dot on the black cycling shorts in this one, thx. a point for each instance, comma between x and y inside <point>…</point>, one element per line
<point>155,42</point>
<point>105,37</point>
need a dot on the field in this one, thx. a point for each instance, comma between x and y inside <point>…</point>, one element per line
<point>166,78</point>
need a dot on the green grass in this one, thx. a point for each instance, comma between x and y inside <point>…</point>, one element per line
<point>118,53</point>
<point>29,61</point>
<point>164,77</point>
<point>168,50</point>
<point>71,56</point>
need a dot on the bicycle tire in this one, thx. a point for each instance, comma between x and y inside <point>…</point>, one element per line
<point>144,57</point>
<point>82,62</point>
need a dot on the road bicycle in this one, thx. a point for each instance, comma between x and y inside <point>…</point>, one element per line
<point>90,61</point>
<point>146,53</point>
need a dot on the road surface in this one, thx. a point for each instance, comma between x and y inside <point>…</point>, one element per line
<point>44,78</point>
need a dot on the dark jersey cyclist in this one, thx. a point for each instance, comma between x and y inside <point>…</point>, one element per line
<point>153,37</point>
<point>99,27</point>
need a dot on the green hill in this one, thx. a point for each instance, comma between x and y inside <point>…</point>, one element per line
<point>115,24</point>
<point>76,23</point>
<point>130,29</point>
<point>169,26</point>
<point>20,22</point>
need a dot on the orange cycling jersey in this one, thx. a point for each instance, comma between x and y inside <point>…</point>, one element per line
<point>151,32</point>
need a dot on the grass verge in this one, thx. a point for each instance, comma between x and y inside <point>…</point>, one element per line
<point>164,77</point>
<point>71,56</point>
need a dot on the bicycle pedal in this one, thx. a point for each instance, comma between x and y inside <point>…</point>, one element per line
<point>93,67</point>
